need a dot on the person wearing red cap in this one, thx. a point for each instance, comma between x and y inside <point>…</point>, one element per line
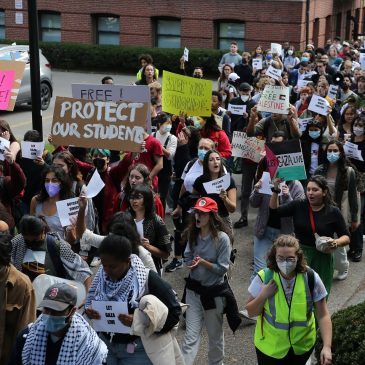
<point>208,294</point>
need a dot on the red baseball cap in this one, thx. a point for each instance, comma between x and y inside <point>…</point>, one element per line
<point>206,205</point>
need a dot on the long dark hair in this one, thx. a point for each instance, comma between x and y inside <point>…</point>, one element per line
<point>65,180</point>
<point>148,202</point>
<point>143,76</point>
<point>342,119</point>
<point>144,171</point>
<point>69,160</point>
<point>222,76</point>
<point>210,126</point>
<point>5,125</point>
<point>286,240</point>
<point>206,172</point>
<point>322,183</point>
<point>216,225</point>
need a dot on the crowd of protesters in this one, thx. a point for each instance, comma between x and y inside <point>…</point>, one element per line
<point>119,249</point>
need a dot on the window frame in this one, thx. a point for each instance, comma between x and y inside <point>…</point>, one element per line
<point>2,26</point>
<point>219,38</point>
<point>42,29</point>
<point>97,32</point>
<point>157,35</point>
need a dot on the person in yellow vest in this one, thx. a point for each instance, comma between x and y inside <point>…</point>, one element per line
<point>284,296</point>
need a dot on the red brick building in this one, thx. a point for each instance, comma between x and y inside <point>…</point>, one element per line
<point>194,24</point>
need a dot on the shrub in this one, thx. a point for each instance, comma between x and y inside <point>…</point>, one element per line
<point>121,59</point>
<point>348,343</point>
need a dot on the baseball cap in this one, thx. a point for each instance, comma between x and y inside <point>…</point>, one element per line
<point>206,205</point>
<point>233,77</point>
<point>59,296</point>
<point>245,87</point>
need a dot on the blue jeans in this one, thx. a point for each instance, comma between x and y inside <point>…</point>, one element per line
<point>118,354</point>
<point>261,247</point>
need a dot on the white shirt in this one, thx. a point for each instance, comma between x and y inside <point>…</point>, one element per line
<point>139,225</point>
<point>34,256</point>
<point>171,145</point>
<point>190,176</point>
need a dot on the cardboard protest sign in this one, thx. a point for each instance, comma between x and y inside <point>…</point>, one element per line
<point>272,161</point>
<point>186,55</point>
<point>183,94</point>
<point>67,210</point>
<point>302,123</point>
<point>217,185</point>
<point>11,74</point>
<point>274,73</point>
<point>291,162</point>
<point>32,150</point>
<point>274,99</point>
<point>90,123</point>
<point>332,91</point>
<point>109,312</point>
<point>247,147</point>
<point>257,63</point>
<point>4,144</point>
<point>318,105</point>
<point>352,151</point>
<point>276,48</point>
<point>237,109</point>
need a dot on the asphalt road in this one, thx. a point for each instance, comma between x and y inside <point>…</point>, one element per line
<point>239,347</point>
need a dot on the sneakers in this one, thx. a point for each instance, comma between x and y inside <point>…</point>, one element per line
<point>356,257</point>
<point>342,275</point>
<point>242,222</point>
<point>243,313</point>
<point>174,264</point>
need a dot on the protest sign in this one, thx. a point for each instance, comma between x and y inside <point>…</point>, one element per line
<point>67,209</point>
<point>247,147</point>
<point>109,312</point>
<point>183,94</point>
<point>90,123</point>
<point>4,144</point>
<point>237,109</point>
<point>32,150</point>
<point>303,123</point>
<point>352,151</point>
<point>257,63</point>
<point>362,60</point>
<point>272,161</point>
<point>318,105</point>
<point>11,74</point>
<point>291,162</point>
<point>332,91</point>
<point>217,185</point>
<point>276,48</point>
<point>274,99</point>
<point>95,185</point>
<point>265,184</point>
<point>302,83</point>
<point>273,72</point>
<point>186,55</point>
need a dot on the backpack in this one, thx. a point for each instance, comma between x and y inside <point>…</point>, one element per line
<point>269,274</point>
<point>54,251</point>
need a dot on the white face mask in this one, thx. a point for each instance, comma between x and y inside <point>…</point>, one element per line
<point>287,267</point>
<point>358,131</point>
<point>244,98</point>
<point>290,52</point>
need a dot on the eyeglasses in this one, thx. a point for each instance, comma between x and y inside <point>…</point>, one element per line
<point>286,259</point>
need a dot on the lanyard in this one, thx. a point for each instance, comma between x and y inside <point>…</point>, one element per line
<point>312,219</point>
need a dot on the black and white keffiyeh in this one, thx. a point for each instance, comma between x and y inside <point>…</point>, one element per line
<point>130,288</point>
<point>80,346</point>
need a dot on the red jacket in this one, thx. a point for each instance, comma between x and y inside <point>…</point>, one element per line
<point>222,144</point>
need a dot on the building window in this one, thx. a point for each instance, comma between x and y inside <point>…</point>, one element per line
<point>228,32</point>
<point>2,24</point>
<point>315,31</point>
<point>339,24</point>
<point>348,25</point>
<point>107,30</point>
<point>168,33</point>
<point>328,28</point>
<point>50,27</point>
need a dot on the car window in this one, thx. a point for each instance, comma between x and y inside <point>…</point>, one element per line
<point>14,55</point>
<point>6,56</point>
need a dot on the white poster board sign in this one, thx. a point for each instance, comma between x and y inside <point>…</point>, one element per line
<point>257,63</point>
<point>332,91</point>
<point>237,109</point>
<point>303,123</point>
<point>4,145</point>
<point>186,55</point>
<point>362,60</point>
<point>32,150</point>
<point>274,73</point>
<point>352,151</point>
<point>319,105</point>
<point>217,185</point>
<point>67,211</point>
<point>265,184</point>
<point>276,48</point>
<point>95,185</point>
<point>274,99</point>
<point>109,312</point>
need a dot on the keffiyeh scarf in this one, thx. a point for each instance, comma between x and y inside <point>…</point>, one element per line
<point>129,289</point>
<point>80,346</point>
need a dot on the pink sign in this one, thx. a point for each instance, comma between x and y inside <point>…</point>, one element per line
<point>6,83</point>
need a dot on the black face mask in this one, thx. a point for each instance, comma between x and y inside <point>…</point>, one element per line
<point>197,76</point>
<point>244,61</point>
<point>99,163</point>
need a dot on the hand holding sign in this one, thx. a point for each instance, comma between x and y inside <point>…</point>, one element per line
<point>319,105</point>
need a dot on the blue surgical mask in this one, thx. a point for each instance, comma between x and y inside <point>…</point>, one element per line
<point>201,154</point>
<point>197,124</point>
<point>305,59</point>
<point>314,134</point>
<point>167,128</point>
<point>54,323</point>
<point>333,156</point>
<point>269,56</point>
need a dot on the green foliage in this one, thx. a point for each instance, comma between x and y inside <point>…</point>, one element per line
<point>122,59</point>
<point>348,344</point>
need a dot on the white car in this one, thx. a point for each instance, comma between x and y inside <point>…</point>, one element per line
<point>17,52</point>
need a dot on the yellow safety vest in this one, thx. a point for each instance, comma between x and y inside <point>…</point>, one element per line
<point>282,326</point>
